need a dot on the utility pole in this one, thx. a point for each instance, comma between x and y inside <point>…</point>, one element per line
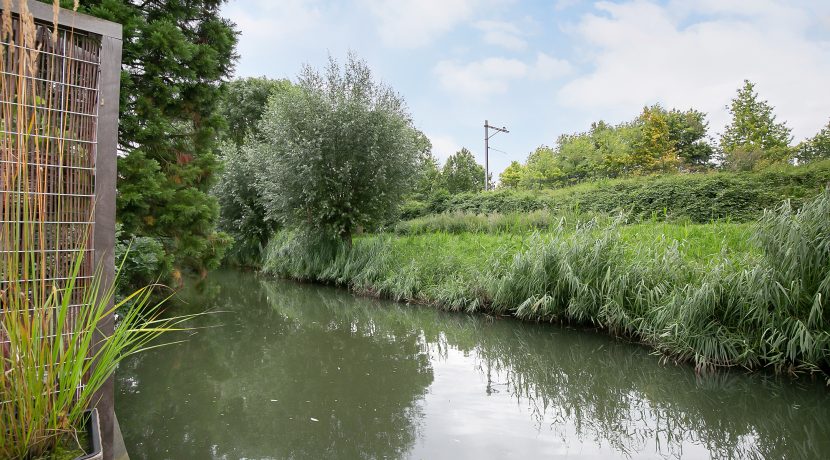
<point>487,137</point>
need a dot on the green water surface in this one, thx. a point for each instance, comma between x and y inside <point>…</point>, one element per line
<point>285,370</point>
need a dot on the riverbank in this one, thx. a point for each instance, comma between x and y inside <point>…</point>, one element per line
<point>718,294</point>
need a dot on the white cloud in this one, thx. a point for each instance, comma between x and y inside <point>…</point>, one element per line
<point>548,67</point>
<point>479,78</point>
<point>443,147</point>
<point>493,75</point>
<point>414,23</point>
<point>503,34</point>
<point>696,55</point>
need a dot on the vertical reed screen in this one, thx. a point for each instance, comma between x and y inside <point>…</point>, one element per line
<point>49,100</point>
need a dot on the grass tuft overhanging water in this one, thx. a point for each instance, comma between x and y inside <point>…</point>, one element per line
<point>717,295</point>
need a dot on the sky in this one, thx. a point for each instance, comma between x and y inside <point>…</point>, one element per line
<point>545,68</point>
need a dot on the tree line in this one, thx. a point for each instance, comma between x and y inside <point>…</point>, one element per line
<point>661,141</point>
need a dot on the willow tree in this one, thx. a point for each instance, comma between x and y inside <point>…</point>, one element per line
<point>339,151</point>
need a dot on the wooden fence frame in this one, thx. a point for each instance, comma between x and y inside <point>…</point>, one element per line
<point>109,85</point>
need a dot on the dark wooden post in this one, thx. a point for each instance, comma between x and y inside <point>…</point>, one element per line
<point>104,232</point>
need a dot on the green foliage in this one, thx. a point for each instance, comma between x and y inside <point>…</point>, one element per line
<point>695,293</point>
<point>142,261</point>
<point>541,169</point>
<point>338,153</point>
<point>243,102</point>
<point>753,138</point>
<point>656,141</point>
<point>687,133</point>
<point>816,148</point>
<point>461,222</point>
<point>512,175</point>
<point>411,209</point>
<point>698,197</point>
<point>242,209</point>
<point>174,57</point>
<point>461,173</point>
<point>428,179</point>
<point>653,149</point>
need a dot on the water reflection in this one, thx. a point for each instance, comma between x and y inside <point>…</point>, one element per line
<point>297,371</point>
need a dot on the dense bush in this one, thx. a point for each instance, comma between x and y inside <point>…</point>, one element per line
<point>764,307</point>
<point>141,261</point>
<point>700,197</point>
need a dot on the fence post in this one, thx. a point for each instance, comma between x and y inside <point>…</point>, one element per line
<point>104,232</point>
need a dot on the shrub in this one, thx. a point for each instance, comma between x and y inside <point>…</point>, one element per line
<point>142,259</point>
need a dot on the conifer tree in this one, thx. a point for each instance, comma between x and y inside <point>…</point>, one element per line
<point>175,55</point>
<point>753,135</point>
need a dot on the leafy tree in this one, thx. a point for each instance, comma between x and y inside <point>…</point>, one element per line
<point>241,209</point>
<point>461,173</point>
<point>243,103</point>
<point>816,148</point>
<point>243,213</point>
<point>175,54</point>
<point>541,169</point>
<point>428,177</point>
<point>339,152</point>
<point>753,135</point>
<point>688,131</point>
<point>612,149</point>
<point>578,156</point>
<point>654,149</point>
<point>512,176</point>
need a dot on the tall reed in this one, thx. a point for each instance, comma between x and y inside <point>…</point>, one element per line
<point>763,307</point>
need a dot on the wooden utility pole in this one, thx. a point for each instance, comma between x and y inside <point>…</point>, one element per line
<point>487,137</point>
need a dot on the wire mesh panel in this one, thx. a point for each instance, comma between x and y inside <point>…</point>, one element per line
<point>49,99</point>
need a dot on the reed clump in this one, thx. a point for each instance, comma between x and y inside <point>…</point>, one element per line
<point>755,299</point>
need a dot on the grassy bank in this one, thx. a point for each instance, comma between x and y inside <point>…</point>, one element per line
<point>699,197</point>
<point>717,294</point>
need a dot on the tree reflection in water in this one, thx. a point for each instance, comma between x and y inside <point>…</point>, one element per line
<point>286,353</point>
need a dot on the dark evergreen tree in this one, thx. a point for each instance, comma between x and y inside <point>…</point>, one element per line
<point>175,56</point>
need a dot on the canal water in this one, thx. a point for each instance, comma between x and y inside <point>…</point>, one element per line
<point>286,370</point>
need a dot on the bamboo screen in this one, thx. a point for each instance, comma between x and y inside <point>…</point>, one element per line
<point>48,100</point>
